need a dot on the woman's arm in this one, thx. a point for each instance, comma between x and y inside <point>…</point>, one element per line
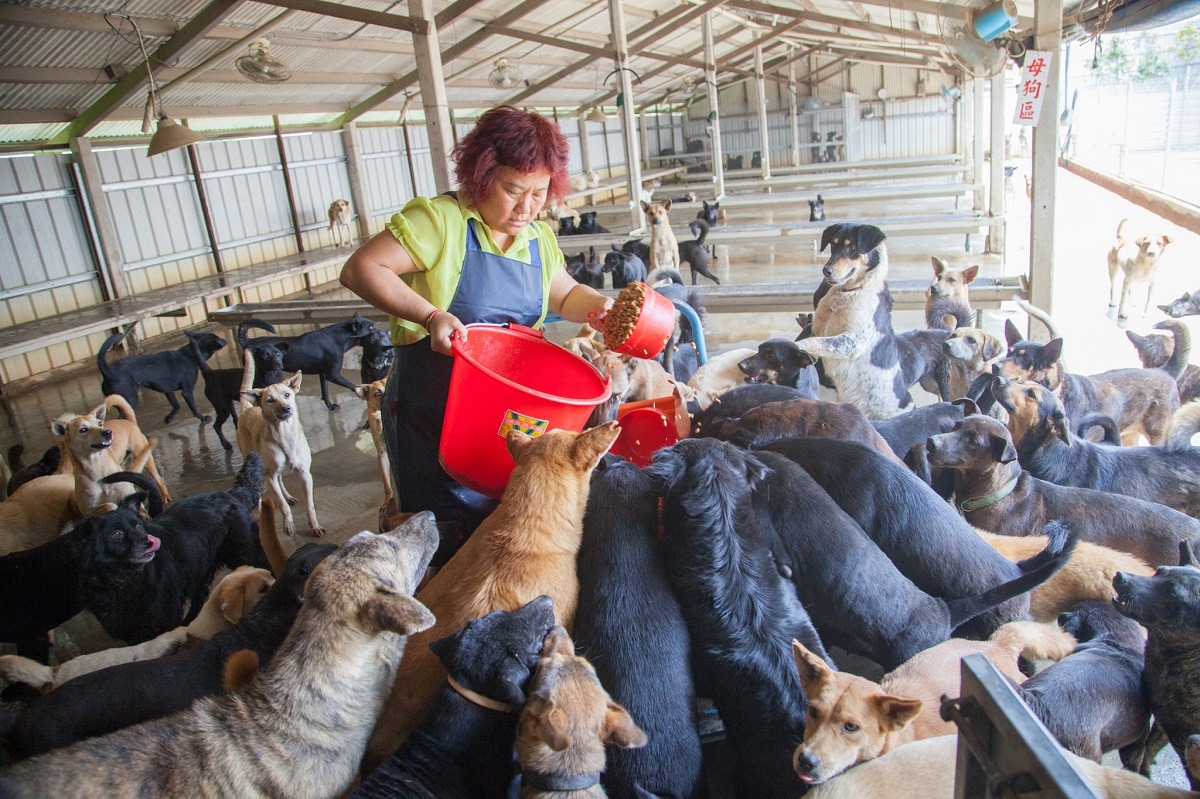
<point>573,301</point>
<point>372,272</point>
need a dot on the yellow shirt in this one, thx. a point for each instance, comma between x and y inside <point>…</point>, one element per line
<point>434,232</point>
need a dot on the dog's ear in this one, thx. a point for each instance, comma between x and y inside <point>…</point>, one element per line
<point>969,408</point>
<point>516,441</point>
<point>896,712</point>
<point>1052,351</point>
<point>868,238</point>
<point>812,669</point>
<point>645,207</point>
<point>1060,427</point>
<point>1011,334</point>
<point>388,611</point>
<point>239,669</point>
<point>1003,450</point>
<point>992,348</point>
<point>282,346</point>
<point>133,501</point>
<point>828,236</point>
<point>666,204</point>
<point>1163,308</point>
<point>756,470</point>
<point>1143,242</point>
<point>58,429</point>
<point>615,248</point>
<point>231,601</point>
<point>619,730</point>
<point>939,266</point>
<point>589,447</point>
<point>547,723</point>
<point>1186,556</point>
<point>362,391</point>
<point>293,382</point>
<point>557,642</point>
<point>99,412</point>
<point>1136,340</point>
<point>253,395</point>
<point>970,273</point>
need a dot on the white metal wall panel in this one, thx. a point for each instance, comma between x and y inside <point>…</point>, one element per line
<point>319,176</point>
<point>388,183</point>
<point>244,183</point>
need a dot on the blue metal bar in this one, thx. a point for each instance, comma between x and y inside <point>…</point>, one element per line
<point>698,331</point>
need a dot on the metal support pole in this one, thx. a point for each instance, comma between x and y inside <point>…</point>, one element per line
<point>644,140</point>
<point>793,109</point>
<point>412,166</point>
<point>202,196</point>
<point>106,232</point>
<point>354,170</point>
<point>585,152</point>
<point>714,111</point>
<point>1048,24</point>
<point>977,137</point>
<point>287,185</point>
<point>433,94</point>
<point>633,159</point>
<point>760,94</point>
<point>996,187</point>
<point>1172,101</point>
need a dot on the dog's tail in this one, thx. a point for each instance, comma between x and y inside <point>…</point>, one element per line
<point>1111,434</point>
<point>699,229</point>
<point>1184,424</point>
<point>257,324</point>
<point>154,497</point>
<point>102,355</point>
<point>15,453</point>
<point>664,273</point>
<point>1034,640</point>
<point>268,538</point>
<point>1061,541</point>
<point>1040,315</point>
<point>247,488</point>
<point>944,313</point>
<point>122,405</point>
<point>1121,230</point>
<point>247,380</point>
<point>1183,347</point>
<point>14,668</point>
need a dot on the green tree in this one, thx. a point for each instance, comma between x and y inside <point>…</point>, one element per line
<point>1114,61</point>
<point>1151,64</point>
<point>1187,43</point>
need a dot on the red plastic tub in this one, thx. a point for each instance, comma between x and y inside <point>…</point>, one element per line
<point>653,328</point>
<point>509,377</point>
<point>646,427</point>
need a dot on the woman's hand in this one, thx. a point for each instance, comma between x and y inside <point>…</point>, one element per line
<point>596,316</point>
<point>441,326</point>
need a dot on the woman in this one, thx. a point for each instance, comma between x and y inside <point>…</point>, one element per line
<point>472,256</point>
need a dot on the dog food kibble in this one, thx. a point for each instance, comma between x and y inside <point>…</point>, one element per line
<point>623,315</point>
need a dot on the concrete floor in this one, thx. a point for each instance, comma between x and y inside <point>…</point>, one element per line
<point>348,492</point>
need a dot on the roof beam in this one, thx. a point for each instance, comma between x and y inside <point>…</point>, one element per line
<point>843,22</point>
<point>354,14</point>
<point>654,73</point>
<point>552,41</point>
<point>453,12</point>
<point>27,17</point>
<point>63,76</point>
<point>195,30</point>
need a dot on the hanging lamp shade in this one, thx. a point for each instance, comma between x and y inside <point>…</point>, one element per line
<point>171,136</point>
<point>595,115</point>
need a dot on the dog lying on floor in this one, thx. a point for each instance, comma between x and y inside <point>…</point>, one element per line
<point>318,352</point>
<point>525,548</point>
<point>165,372</point>
<point>1187,305</point>
<point>782,363</point>
<point>332,671</point>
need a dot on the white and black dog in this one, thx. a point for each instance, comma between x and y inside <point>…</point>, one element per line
<point>852,327</point>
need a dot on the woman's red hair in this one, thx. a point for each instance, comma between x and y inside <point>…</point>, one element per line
<point>507,136</point>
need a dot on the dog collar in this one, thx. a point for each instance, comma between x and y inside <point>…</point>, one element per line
<point>990,499</point>
<point>477,698</point>
<point>545,781</point>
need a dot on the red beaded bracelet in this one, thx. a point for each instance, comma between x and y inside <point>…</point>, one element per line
<point>429,318</point>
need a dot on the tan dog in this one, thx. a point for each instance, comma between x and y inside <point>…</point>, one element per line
<point>230,599</point>
<point>720,374</point>
<point>947,301</point>
<point>269,423</point>
<point>373,394</point>
<point>972,352</point>
<point>1137,260</point>
<point>339,223</point>
<point>664,247</point>
<point>567,721</point>
<point>299,727</point>
<point>1088,574</point>
<point>526,548</point>
<point>37,512</point>
<point>633,379</point>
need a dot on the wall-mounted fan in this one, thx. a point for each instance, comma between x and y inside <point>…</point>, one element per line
<point>504,75</point>
<point>262,67</point>
<point>971,33</point>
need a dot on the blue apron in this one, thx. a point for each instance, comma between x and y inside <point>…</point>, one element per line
<point>492,289</point>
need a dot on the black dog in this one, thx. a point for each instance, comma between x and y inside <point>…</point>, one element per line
<point>694,254</point>
<point>318,352</point>
<point>120,696</point>
<point>165,372</point>
<point>463,750</point>
<point>629,625</point>
<point>639,248</point>
<point>740,613</point>
<point>1187,305</point>
<point>735,162</point>
<point>1171,355</point>
<point>709,213</point>
<point>21,474</point>
<point>736,401</point>
<point>905,431</point>
<point>588,225</point>
<point>922,534</point>
<point>923,360</point>
<point>816,209</point>
<point>1168,606</point>
<point>377,355</point>
<point>1092,700</point>
<point>780,362</point>
<point>141,579</point>
<point>223,387</point>
<point>868,608</point>
<point>679,357</point>
<point>624,267</point>
<point>39,590</point>
<point>589,273</point>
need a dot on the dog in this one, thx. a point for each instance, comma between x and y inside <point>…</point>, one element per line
<point>1140,401</point>
<point>872,610</point>
<point>624,267</point>
<point>740,612</point>
<point>567,226</point>
<point>588,225</point>
<point>1137,261</point>
<point>971,352</point>
<point>373,394</point>
<point>816,209</point>
<point>223,387</point>
<point>630,627</point>
<point>1091,700</point>
<point>925,538</point>
<point>333,670</point>
<point>923,361</point>
<point>567,721</point>
<point>235,595</point>
<point>165,372</point>
<point>782,363</point>
<point>1044,445</point>
<point>99,703</point>
<point>37,512</point>
<point>525,548</point>
<point>736,401</point>
<point>318,352</point>
<point>980,452</point>
<point>339,223</point>
<point>720,374</point>
<point>639,248</point>
<point>1187,305</point>
<point>907,430</point>
<point>21,473</point>
<point>710,213</point>
<point>631,379</point>
<point>1171,355</point>
<point>377,356</point>
<point>733,162</point>
<point>947,302</point>
<point>680,356</point>
<point>1167,605</point>
<point>463,749</point>
<point>664,248</point>
<point>694,253</point>
<point>270,425</point>
<point>852,326</point>
<point>804,418</point>
<point>585,271</point>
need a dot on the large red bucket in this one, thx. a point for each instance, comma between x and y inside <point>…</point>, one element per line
<point>507,377</point>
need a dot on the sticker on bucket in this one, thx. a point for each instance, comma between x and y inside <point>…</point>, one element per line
<point>526,424</point>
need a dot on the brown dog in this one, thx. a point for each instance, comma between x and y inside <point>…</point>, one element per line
<point>339,223</point>
<point>971,352</point>
<point>1137,260</point>
<point>947,304</point>
<point>804,418</point>
<point>526,548</point>
<point>664,247</point>
<point>373,394</point>
<point>567,721</point>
